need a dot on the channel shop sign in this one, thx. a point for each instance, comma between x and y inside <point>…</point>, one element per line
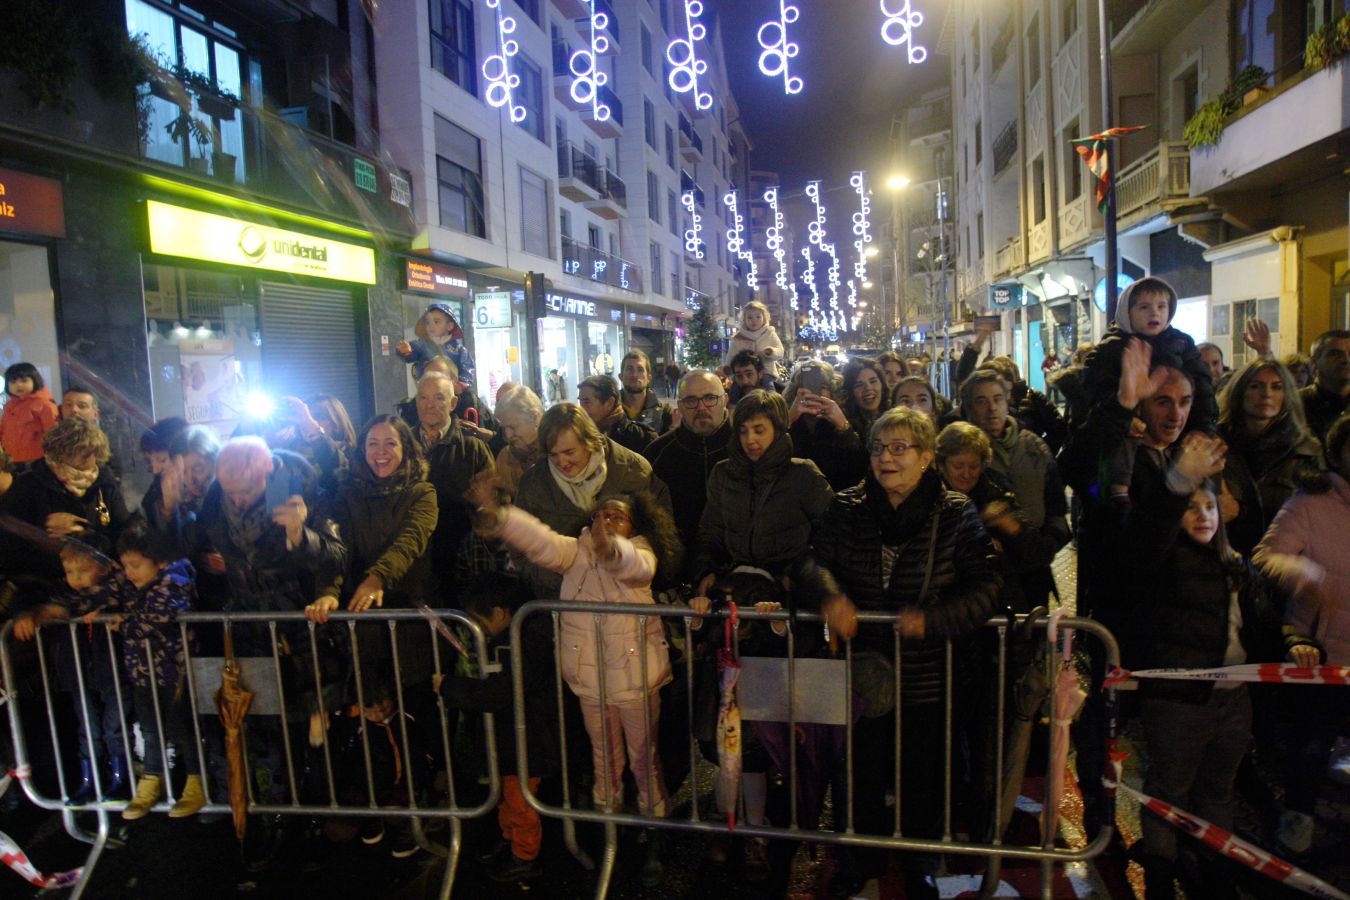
<point>176,231</point>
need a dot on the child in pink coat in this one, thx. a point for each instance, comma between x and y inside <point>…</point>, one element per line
<point>612,561</point>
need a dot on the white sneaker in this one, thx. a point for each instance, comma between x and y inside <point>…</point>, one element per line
<point>1296,831</point>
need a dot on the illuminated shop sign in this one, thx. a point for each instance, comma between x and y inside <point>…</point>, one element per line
<point>30,204</point>
<point>189,233</point>
<point>582,308</point>
<point>435,278</point>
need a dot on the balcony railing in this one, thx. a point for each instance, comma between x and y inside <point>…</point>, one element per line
<point>573,162</point>
<point>1005,146</point>
<point>1009,258</point>
<point>562,59</point>
<point>694,299</point>
<point>611,99</point>
<point>613,188</point>
<point>594,264</point>
<point>1160,176</point>
<point>603,6</point>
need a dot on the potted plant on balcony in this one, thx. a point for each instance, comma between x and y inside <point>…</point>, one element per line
<point>186,126</point>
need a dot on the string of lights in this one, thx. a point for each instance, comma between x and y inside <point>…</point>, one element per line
<point>693,243</point>
<point>502,82</point>
<point>587,76</point>
<point>685,65</point>
<point>898,29</point>
<point>736,244</point>
<point>777,49</point>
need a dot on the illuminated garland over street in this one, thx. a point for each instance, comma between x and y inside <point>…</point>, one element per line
<point>899,28</point>
<point>693,244</point>
<point>815,232</point>
<point>502,82</point>
<point>685,66</point>
<point>862,230</point>
<point>736,240</point>
<point>773,239</point>
<point>587,76</point>
<point>809,274</point>
<point>778,49</point>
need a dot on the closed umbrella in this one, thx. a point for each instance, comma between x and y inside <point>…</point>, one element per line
<point>729,720</point>
<point>1069,697</point>
<point>232,703</point>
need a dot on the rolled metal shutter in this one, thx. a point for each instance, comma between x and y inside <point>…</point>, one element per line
<point>309,344</point>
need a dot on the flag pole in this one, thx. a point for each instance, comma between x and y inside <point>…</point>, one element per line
<point>1108,121</point>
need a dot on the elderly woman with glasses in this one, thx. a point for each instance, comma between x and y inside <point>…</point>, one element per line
<point>902,544</point>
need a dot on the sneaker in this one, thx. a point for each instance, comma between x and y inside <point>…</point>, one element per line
<point>402,844</point>
<point>148,791</point>
<point>1296,831</point>
<point>756,866</point>
<point>513,868</point>
<point>191,801</point>
<point>372,831</point>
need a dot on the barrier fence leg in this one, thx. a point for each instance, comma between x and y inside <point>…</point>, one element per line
<point>607,861</point>
<point>100,841</point>
<point>455,844</point>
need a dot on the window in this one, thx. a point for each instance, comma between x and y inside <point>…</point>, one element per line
<point>975,48</point>
<point>452,45</point>
<point>670,146</point>
<point>593,237</point>
<point>1038,190</point>
<point>649,124</point>
<point>673,208</point>
<point>656,267</point>
<point>674,274</point>
<point>1185,98</point>
<point>979,143</point>
<point>530,94</point>
<point>613,245</point>
<point>1068,20</point>
<point>530,8</point>
<point>979,235</point>
<point>459,177</point>
<point>1034,50</point>
<point>653,198</point>
<point>1073,164</point>
<point>534,215</point>
<point>647,51</point>
<point>565,224</point>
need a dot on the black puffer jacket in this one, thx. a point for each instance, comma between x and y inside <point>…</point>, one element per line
<point>1261,473</point>
<point>451,464</point>
<point>1101,372</point>
<point>684,461</point>
<point>848,557</point>
<point>840,455</point>
<point>762,513</point>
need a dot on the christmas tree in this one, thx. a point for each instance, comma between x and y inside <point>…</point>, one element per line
<point>699,337</point>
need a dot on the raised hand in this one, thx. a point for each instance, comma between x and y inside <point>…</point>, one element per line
<point>1136,384</point>
<point>1256,334</point>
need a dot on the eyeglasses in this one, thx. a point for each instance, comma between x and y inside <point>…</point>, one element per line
<point>894,448</point>
<point>708,400</point>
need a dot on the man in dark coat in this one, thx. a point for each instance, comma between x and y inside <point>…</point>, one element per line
<point>1329,395</point>
<point>640,402</point>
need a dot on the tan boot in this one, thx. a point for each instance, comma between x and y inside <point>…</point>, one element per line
<point>148,791</point>
<point>191,801</point>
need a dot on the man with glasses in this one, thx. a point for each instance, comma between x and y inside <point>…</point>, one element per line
<point>640,402</point>
<point>684,456</point>
<point>1329,395</point>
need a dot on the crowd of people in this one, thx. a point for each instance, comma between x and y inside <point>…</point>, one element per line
<point>1207,506</point>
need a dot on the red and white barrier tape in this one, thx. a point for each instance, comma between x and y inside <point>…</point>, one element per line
<point>1229,844</point>
<point>1268,673</point>
<point>16,859</point>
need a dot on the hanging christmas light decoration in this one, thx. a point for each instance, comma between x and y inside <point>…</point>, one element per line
<point>773,61</point>
<point>736,240</point>
<point>587,76</point>
<point>899,28</point>
<point>502,82</point>
<point>816,234</point>
<point>862,230</point>
<point>693,244</point>
<point>809,276</point>
<point>685,66</point>
<point>773,239</point>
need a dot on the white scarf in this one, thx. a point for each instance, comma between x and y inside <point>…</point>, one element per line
<point>582,488</point>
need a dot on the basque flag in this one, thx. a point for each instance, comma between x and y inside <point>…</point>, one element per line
<point>1093,150</point>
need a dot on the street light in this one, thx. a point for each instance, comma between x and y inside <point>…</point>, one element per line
<point>867,285</point>
<point>871,251</point>
<point>897,182</point>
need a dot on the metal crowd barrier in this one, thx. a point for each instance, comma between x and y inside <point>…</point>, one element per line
<point>698,820</point>
<point>266,676</point>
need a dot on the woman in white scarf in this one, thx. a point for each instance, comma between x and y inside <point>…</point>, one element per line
<point>758,335</point>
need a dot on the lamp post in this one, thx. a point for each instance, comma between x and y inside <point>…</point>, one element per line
<point>1108,120</point>
<point>895,184</point>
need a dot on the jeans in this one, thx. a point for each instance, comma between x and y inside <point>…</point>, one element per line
<point>176,713</point>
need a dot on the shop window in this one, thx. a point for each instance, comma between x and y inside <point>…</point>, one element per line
<point>452,42</point>
<point>27,313</point>
<point>459,177</point>
<point>534,214</point>
<point>203,138</point>
<point>530,94</point>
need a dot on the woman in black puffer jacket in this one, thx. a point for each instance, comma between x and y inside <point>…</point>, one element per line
<point>901,543</point>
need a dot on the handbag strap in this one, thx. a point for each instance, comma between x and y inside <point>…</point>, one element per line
<point>932,552</point>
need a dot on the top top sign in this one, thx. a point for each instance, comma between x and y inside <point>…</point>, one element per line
<point>30,204</point>
<point>435,278</point>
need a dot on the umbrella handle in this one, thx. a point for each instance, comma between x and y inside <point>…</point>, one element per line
<point>229,645</point>
<point>1052,631</point>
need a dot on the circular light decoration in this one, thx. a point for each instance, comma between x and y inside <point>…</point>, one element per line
<point>587,76</point>
<point>816,234</point>
<point>685,66</point>
<point>899,28</point>
<point>693,244</point>
<point>736,240</point>
<point>862,230</point>
<point>773,239</point>
<point>502,82</point>
<point>773,37</point>
<point>809,276</point>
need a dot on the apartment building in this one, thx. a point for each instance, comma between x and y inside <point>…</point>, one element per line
<point>585,190</point>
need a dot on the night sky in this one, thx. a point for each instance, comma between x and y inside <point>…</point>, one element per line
<point>854,83</point>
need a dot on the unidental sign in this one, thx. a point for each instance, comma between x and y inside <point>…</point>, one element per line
<point>176,231</point>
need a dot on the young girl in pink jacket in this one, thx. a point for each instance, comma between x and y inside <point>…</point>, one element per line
<point>612,561</point>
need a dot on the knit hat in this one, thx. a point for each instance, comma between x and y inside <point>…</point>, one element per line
<point>1150,283</point>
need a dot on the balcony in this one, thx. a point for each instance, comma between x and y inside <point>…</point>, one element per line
<point>694,299</point>
<point>691,257</point>
<point>691,145</point>
<point>688,184</point>
<point>1157,182</point>
<point>612,29</point>
<point>562,76</point>
<point>933,126</point>
<point>593,264</point>
<point>1009,258</point>
<point>572,9</point>
<point>613,126</point>
<point>612,202</point>
<point>579,175</point>
<point>1151,25</point>
<point>1005,147</point>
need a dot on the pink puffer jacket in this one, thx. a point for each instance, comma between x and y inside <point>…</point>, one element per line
<point>627,578</point>
<point>1305,551</point>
